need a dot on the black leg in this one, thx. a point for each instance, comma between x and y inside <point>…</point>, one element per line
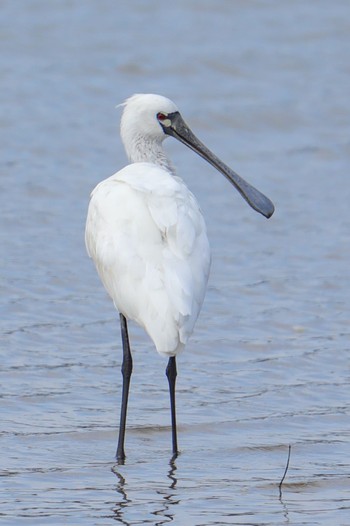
<point>171,374</point>
<point>126,372</point>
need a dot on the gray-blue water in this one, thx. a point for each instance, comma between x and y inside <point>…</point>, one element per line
<point>266,85</point>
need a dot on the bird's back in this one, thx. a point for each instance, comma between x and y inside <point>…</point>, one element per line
<point>147,237</point>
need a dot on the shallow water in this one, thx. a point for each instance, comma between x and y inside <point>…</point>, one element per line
<point>266,86</point>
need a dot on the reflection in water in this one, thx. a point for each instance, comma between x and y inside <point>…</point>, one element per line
<point>285,510</point>
<point>164,513</point>
<point>124,502</point>
<point>168,497</point>
<point>171,473</point>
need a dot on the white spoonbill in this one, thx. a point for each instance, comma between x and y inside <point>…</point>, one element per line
<point>147,237</point>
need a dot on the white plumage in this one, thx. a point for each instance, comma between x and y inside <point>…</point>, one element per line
<point>147,237</point>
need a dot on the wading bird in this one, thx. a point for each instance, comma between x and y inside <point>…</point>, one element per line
<point>147,237</point>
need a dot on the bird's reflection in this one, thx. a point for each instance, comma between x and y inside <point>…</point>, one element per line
<point>169,498</point>
<point>171,473</point>
<point>164,513</point>
<point>124,502</point>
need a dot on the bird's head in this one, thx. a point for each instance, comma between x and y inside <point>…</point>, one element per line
<point>147,116</point>
<point>148,119</point>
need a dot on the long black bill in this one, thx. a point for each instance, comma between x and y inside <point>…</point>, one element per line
<point>175,126</point>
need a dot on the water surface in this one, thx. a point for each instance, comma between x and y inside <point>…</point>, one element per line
<point>266,86</point>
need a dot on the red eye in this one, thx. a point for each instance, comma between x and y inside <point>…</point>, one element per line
<point>161,116</point>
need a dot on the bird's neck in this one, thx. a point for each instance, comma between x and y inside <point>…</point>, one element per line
<point>146,150</point>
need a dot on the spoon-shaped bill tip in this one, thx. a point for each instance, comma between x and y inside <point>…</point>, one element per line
<point>176,127</point>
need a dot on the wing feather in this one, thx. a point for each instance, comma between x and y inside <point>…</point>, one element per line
<point>147,237</point>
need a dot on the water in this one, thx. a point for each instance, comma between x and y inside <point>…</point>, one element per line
<point>266,86</point>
